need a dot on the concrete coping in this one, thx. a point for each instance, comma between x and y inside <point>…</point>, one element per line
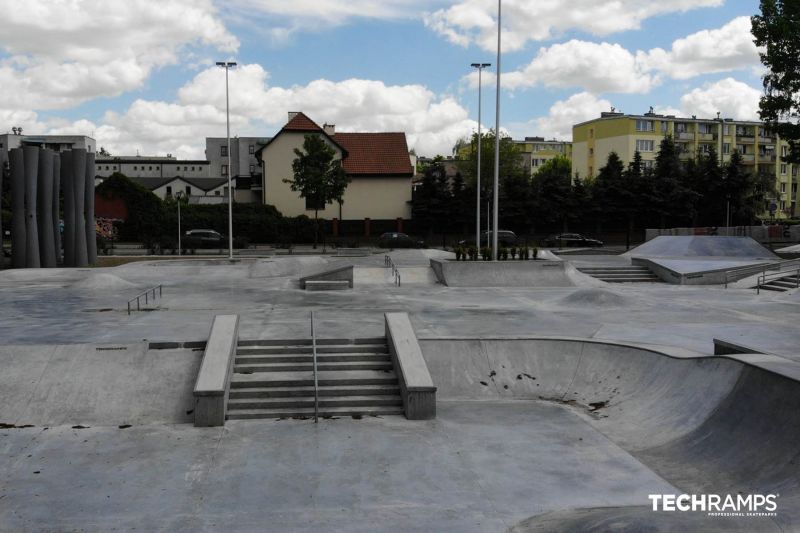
<point>212,380</point>
<point>410,362</point>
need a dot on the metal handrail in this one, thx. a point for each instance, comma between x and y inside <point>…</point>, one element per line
<point>735,274</point>
<point>762,279</point>
<point>146,295</point>
<point>316,382</point>
<point>388,263</point>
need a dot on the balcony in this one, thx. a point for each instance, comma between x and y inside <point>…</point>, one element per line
<point>686,136</point>
<point>766,158</point>
<point>748,139</point>
<point>706,136</point>
<point>748,159</point>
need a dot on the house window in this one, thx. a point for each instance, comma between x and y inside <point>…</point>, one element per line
<point>647,164</point>
<point>704,148</point>
<point>216,193</point>
<point>644,125</point>
<point>664,126</point>
<point>188,190</point>
<point>705,128</point>
<point>681,127</point>
<point>224,170</point>
<point>645,145</point>
<point>784,151</point>
<point>185,169</point>
<point>134,168</point>
<point>783,169</point>
<point>223,151</point>
<point>741,148</point>
<point>783,187</point>
<point>169,190</point>
<point>252,149</point>
<point>252,169</point>
<point>726,129</point>
<point>726,148</point>
<point>157,168</point>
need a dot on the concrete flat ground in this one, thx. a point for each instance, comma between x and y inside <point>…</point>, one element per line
<point>482,465</point>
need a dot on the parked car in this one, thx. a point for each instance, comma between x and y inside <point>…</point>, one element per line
<point>504,238</point>
<point>572,240</point>
<point>393,239</point>
<point>203,238</point>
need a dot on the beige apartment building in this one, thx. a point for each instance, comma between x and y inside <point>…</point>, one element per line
<point>378,164</point>
<point>536,151</point>
<point>762,152</point>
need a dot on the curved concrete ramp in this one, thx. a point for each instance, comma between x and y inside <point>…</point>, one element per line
<point>706,424</point>
<point>511,274</point>
<point>702,246</point>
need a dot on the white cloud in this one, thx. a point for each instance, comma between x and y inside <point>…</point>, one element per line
<point>433,123</point>
<point>727,48</point>
<point>475,21</point>
<point>62,53</point>
<point>562,116</point>
<point>730,97</point>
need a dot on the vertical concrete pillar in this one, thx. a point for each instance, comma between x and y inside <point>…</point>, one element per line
<point>91,231</point>
<point>55,207</point>
<point>78,191</point>
<point>44,208</point>
<point>18,233</point>
<point>69,208</point>
<point>31,155</point>
<point>366,227</point>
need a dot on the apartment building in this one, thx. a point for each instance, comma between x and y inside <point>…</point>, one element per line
<point>536,151</point>
<point>58,143</point>
<point>761,151</point>
<point>246,171</point>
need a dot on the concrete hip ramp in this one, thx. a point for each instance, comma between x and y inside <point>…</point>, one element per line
<point>512,273</point>
<point>706,424</point>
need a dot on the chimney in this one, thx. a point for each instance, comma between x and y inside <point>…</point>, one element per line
<point>292,114</point>
<point>330,129</point>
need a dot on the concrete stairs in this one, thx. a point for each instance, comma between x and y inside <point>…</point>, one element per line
<point>274,379</point>
<point>622,274</point>
<point>782,284</point>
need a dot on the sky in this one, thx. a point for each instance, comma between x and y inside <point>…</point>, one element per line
<point>139,75</point>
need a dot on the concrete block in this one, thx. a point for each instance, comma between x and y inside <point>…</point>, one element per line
<point>337,274</point>
<point>416,385</point>
<point>213,380</point>
<point>327,285</point>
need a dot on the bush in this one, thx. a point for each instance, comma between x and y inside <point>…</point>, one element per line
<point>486,253</point>
<point>513,251</point>
<point>502,254</point>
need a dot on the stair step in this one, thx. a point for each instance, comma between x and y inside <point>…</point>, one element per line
<point>614,270</point>
<point>309,367</point>
<point>285,350</point>
<point>627,275</point>
<point>306,379</point>
<point>324,392</point>
<point>631,280</point>
<point>307,342</point>
<point>308,402</point>
<point>784,283</point>
<point>769,287</point>
<point>308,358</point>
<point>245,414</point>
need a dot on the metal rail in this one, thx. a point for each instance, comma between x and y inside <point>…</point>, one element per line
<point>388,263</point>
<point>316,382</point>
<point>736,274</point>
<point>146,294</point>
<point>762,279</point>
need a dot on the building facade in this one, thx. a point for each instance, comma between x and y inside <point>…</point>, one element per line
<point>246,172</point>
<point>761,151</point>
<point>536,151</point>
<point>57,143</point>
<point>378,164</point>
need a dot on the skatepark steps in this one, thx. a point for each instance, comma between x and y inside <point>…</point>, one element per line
<point>626,274</point>
<point>416,385</point>
<point>273,379</point>
<point>781,284</point>
<point>213,380</point>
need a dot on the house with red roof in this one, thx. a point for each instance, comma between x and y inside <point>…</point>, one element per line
<point>378,164</point>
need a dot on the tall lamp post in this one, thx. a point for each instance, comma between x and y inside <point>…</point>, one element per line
<point>496,189</point>
<point>178,196</point>
<point>227,65</point>
<point>480,67</point>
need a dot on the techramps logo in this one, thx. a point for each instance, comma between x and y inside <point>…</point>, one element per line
<point>732,505</point>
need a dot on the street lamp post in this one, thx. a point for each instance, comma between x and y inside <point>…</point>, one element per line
<point>178,196</point>
<point>496,191</point>
<point>480,67</point>
<point>228,65</point>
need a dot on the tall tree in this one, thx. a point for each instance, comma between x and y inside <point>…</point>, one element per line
<point>318,176</point>
<point>673,199</point>
<point>777,31</point>
<point>432,199</point>
<point>552,190</point>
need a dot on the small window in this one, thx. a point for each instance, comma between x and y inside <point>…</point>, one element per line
<point>216,193</point>
<point>157,168</point>
<point>224,170</point>
<point>185,169</point>
<point>169,190</point>
<point>223,151</point>
<point>134,168</point>
<point>644,125</point>
<point>647,164</point>
<point>192,169</point>
<point>783,187</point>
<point>252,149</point>
<point>664,126</point>
<point>150,168</point>
<point>726,148</point>
<point>783,169</point>
<point>252,169</point>
<point>643,145</point>
<point>188,190</point>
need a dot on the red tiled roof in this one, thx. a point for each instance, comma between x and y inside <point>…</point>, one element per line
<point>301,122</point>
<point>375,153</point>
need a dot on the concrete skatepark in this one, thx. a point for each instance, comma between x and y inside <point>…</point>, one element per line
<point>560,407</point>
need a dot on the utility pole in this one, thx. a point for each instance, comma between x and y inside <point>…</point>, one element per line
<point>480,67</point>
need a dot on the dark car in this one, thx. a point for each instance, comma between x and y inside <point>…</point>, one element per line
<point>572,240</point>
<point>203,238</point>
<point>504,238</point>
<point>393,239</point>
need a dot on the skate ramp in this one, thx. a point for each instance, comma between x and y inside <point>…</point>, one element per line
<point>532,274</point>
<point>365,276</point>
<point>703,246</point>
<point>706,424</point>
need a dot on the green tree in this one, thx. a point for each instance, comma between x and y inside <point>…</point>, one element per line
<point>672,197</point>
<point>552,191</point>
<point>318,176</point>
<point>431,205</point>
<point>777,32</point>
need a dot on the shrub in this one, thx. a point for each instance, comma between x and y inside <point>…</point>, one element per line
<point>535,253</point>
<point>486,253</point>
<point>513,251</point>
<point>502,254</point>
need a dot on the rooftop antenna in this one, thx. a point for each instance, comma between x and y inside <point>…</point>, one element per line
<point>651,109</point>
<point>718,114</point>
<point>14,130</point>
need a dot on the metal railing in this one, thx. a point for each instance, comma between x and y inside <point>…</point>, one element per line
<point>146,295</point>
<point>762,279</point>
<point>388,263</point>
<point>314,362</point>
<point>736,274</point>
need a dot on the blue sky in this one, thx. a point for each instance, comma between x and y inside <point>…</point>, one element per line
<point>139,76</point>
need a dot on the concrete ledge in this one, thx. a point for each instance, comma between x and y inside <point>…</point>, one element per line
<point>514,273</point>
<point>338,274</point>
<point>213,380</point>
<point>327,284</point>
<point>416,385</point>
<point>353,252</point>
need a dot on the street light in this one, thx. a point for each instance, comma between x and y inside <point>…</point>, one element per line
<point>228,65</point>
<point>480,67</point>
<point>178,196</point>
<point>497,140</point>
